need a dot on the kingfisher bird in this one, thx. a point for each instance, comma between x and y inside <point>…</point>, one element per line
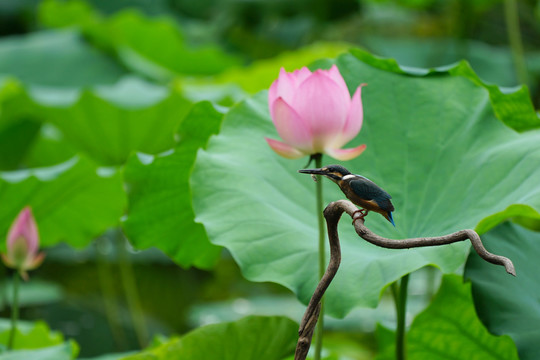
<point>360,190</point>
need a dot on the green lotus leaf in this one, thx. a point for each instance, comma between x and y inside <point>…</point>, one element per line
<point>113,356</point>
<point>253,337</point>
<point>450,329</point>
<point>72,202</point>
<point>30,335</point>
<point>18,126</point>
<point>133,37</point>
<point>509,305</point>
<point>48,148</point>
<point>54,58</point>
<point>24,140</point>
<point>62,14</point>
<point>511,105</point>
<point>231,86</point>
<point>15,103</point>
<point>260,74</point>
<point>160,212</point>
<point>491,63</point>
<point>31,293</point>
<point>108,123</point>
<point>15,141</point>
<point>64,351</point>
<point>433,142</point>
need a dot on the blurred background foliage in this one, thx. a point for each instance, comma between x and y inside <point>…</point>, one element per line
<point>75,75</point>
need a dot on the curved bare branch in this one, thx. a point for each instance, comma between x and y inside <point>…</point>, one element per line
<point>332,214</point>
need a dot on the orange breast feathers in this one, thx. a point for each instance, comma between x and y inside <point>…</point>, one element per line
<point>370,205</point>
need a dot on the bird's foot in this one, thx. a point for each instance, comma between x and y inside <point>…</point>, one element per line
<point>359,214</point>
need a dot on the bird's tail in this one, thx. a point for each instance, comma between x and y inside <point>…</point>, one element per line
<point>390,218</point>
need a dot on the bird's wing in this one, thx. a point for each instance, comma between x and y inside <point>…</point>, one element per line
<point>368,190</point>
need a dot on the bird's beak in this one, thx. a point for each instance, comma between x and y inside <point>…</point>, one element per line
<point>313,171</point>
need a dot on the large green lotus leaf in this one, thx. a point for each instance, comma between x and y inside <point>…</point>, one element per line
<point>133,37</point>
<point>432,142</point>
<point>72,202</point>
<point>24,140</point>
<point>135,40</point>
<point>260,74</point>
<point>14,103</point>
<point>160,212</point>
<point>510,306</point>
<point>73,12</point>
<point>231,86</point>
<point>253,337</point>
<point>511,105</point>
<point>65,351</point>
<point>110,122</point>
<point>62,14</point>
<point>15,141</point>
<point>18,125</point>
<point>56,58</point>
<point>491,63</point>
<point>30,335</point>
<point>126,114</point>
<point>113,356</point>
<point>31,293</point>
<point>450,329</point>
<point>48,148</point>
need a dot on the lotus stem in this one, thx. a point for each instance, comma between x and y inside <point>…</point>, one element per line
<point>14,310</point>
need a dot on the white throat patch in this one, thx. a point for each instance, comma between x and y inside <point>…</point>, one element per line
<point>352,176</point>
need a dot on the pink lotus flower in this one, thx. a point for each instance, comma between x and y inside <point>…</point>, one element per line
<point>314,113</point>
<point>23,244</point>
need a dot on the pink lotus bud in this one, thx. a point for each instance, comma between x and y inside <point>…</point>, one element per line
<point>23,244</point>
<point>314,113</point>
